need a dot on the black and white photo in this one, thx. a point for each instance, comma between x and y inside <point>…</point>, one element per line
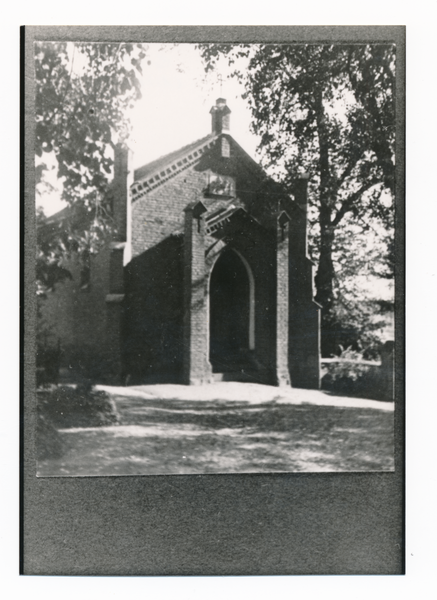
<point>217,242</point>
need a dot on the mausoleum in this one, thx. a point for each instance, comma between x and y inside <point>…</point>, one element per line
<point>208,277</point>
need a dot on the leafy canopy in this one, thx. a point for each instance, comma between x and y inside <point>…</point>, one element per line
<point>327,110</point>
<point>82,100</point>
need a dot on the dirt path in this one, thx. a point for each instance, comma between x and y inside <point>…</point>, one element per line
<point>229,428</point>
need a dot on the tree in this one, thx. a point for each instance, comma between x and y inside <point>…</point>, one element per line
<point>327,110</point>
<point>83,93</point>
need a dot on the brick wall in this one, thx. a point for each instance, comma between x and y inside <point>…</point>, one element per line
<point>146,332</point>
<point>197,369</point>
<point>258,247</point>
<point>282,376</point>
<point>161,211</point>
<point>86,325</point>
<point>304,324</point>
<point>158,214</point>
<point>152,344</point>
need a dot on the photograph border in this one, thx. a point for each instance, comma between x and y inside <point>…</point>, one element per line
<point>257,524</point>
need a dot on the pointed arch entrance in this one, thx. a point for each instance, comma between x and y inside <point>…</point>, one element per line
<point>231,311</point>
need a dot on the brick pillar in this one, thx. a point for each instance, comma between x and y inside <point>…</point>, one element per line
<point>123,178</point>
<point>304,340</point>
<point>282,375</point>
<point>301,198</point>
<point>114,311</point>
<point>112,350</point>
<point>197,369</point>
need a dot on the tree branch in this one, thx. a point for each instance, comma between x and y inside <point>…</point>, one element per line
<point>348,170</point>
<point>348,205</point>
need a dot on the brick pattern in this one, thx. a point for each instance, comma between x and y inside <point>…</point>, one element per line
<point>258,247</point>
<point>148,321</point>
<point>123,177</point>
<point>304,319</point>
<point>161,212</point>
<point>161,175</point>
<point>87,327</point>
<point>196,366</point>
<point>282,376</point>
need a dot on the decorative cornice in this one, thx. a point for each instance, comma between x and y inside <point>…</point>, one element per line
<point>160,176</point>
<point>218,220</point>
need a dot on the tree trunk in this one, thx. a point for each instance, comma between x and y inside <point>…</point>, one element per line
<point>325,273</point>
<point>324,283</point>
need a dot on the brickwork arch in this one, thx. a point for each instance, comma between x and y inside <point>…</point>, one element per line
<point>231,303</point>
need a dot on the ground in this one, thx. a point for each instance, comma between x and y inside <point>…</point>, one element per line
<point>229,428</point>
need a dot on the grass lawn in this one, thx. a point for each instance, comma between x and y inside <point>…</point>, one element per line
<point>173,436</point>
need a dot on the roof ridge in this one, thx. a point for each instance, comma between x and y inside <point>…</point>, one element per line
<point>160,170</point>
<point>167,155</point>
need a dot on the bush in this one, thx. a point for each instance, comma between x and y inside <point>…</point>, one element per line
<point>79,406</point>
<point>48,351</point>
<point>349,375</point>
<point>48,359</point>
<point>48,440</point>
<point>360,326</point>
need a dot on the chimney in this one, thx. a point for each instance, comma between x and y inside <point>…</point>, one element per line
<point>123,174</point>
<point>220,117</point>
<point>301,197</point>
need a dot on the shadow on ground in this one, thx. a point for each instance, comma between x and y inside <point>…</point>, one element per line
<point>171,436</point>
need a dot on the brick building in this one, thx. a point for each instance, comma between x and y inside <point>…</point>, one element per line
<point>207,278</point>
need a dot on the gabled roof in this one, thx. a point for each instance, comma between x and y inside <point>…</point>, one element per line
<point>159,163</point>
<point>163,168</point>
<point>157,172</point>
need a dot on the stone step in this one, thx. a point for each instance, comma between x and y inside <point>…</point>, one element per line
<point>242,376</point>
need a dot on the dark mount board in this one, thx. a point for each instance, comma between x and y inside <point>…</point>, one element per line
<point>267,524</point>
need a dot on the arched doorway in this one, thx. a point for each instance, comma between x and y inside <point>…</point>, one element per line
<point>231,316</point>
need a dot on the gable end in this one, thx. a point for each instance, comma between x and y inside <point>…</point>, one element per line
<point>168,171</point>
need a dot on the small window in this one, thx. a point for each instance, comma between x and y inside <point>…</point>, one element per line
<point>226,148</point>
<point>221,185</point>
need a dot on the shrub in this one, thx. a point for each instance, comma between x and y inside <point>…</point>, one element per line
<point>48,351</point>
<point>79,406</point>
<point>48,440</point>
<point>48,359</point>
<point>350,375</point>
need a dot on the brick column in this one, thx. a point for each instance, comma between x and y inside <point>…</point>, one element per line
<point>197,369</point>
<point>282,375</point>
<point>114,310</point>
<point>304,340</point>
<point>123,178</point>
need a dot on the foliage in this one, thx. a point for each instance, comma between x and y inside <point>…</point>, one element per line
<point>64,407</point>
<point>82,98</point>
<point>79,406</point>
<point>348,364</point>
<point>360,324</point>
<point>349,375</point>
<point>48,351</point>
<point>362,309</point>
<point>327,110</point>
<point>48,440</point>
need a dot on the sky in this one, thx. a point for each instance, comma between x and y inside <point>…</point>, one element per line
<point>177,96</point>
